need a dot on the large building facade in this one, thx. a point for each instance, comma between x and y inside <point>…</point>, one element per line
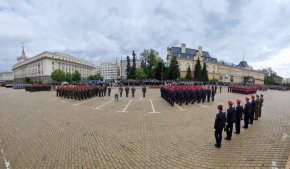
<point>109,71</point>
<point>123,67</point>
<point>221,71</point>
<point>42,65</point>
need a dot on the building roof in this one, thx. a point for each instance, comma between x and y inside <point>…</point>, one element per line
<point>190,53</point>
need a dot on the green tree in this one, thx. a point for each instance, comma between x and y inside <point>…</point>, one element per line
<point>165,72</point>
<point>68,77</point>
<point>140,73</point>
<point>58,75</point>
<point>173,72</point>
<point>204,74</point>
<point>188,75</point>
<point>197,71</point>
<point>151,58</point>
<point>158,71</point>
<point>28,80</point>
<point>76,76</point>
<point>143,64</point>
<point>133,68</point>
<point>128,68</point>
<point>97,76</point>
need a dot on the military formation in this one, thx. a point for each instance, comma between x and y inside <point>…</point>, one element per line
<point>187,94</point>
<point>242,89</point>
<point>81,92</point>
<point>37,87</point>
<point>225,121</point>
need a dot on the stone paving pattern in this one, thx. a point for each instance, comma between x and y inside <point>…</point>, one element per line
<point>38,130</point>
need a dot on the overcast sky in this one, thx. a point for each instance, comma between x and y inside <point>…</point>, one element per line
<point>101,30</point>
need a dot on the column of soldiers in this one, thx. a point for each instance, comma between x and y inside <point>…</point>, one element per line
<point>37,87</point>
<point>242,89</point>
<point>225,121</point>
<point>187,94</point>
<point>81,92</point>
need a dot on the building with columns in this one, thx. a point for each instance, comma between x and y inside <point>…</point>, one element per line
<point>42,65</point>
<point>222,71</point>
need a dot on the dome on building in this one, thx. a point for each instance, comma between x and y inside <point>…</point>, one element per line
<point>243,64</point>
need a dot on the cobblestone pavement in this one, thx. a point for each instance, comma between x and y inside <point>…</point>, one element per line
<point>38,130</point>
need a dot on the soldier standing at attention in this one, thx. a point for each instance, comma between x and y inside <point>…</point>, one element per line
<point>109,91</point>
<point>212,95</point>
<point>219,124</point>
<point>253,109</point>
<point>261,104</point>
<point>239,114</point>
<point>116,92</point>
<point>220,88</point>
<point>247,109</point>
<point>258,108</point>
<point>144,90</point>
<point>127,90</point>
<point>215,88</point>
<point>133,91</point>
<point>121,90</point>
<point>230,120</point>
<point>208,93</point>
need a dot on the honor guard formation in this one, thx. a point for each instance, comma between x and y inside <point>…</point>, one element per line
<point>246,89</point>
<point>225,121</point>
<point>37,87</point>
<point>187,94</point>
<point>81,92</point>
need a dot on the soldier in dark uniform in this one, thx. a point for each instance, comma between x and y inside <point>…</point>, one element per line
<point>179,96</point>
<point>247,109</point>
<point>258,108</point>
<point>186,94</point>
<point>144,90</point>
<point>121,90</point>
<point>220,88</point>
<point>253,109</point>
<point>203,95</point>
<point>261,104</point>
<point>219,125</point>
<point>212,95</point>
<point>215,88</point>
<point>105,89</point>
<point>230,120</point>
<point>208,93</point>
<point>127,90</point>
<point>199,95</point>
<point>109,90</point>
<point>239,114</point>
<point>133,91</point>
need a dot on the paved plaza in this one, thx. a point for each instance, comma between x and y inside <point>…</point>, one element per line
<point>39,130</point>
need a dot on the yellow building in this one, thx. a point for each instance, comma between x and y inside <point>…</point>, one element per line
<point>221,71</point>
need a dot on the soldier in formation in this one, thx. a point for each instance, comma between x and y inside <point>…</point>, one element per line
<point>239,115</point>
<point>253,109</point>
<point>144,91</point>
<point>109,91</point>
<point>133,91</point>
<point>247,112</point>
<point>127,89</point>
<point>219,125</point>
<point>230,120</point>
<point>184,94</point>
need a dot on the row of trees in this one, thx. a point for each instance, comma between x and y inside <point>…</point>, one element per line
<point>153,67</point>
<point>60,76</point>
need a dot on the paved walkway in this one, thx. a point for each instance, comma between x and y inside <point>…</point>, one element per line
<point>38,130</point>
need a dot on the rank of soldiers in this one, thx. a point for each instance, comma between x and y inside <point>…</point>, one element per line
<point>242,89</point>
<point>234,114</point>
<point>81,92</point>
<point>37,87</point>
<point>187,94</point>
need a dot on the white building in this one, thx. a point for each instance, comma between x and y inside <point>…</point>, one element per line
<point>42,65</point>
<point>109,71</point>
<point>6,77</point>
<point>123,67</point>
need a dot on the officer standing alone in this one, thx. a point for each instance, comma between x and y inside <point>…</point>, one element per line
<point>144,90</point>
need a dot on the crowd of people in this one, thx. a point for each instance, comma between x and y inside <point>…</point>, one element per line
<point>225,120</point>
